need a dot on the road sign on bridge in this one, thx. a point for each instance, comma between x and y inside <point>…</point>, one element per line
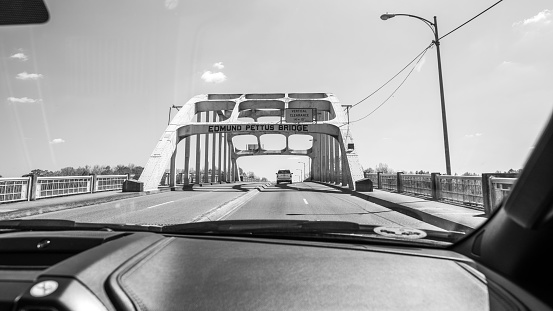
<point>296,115</point>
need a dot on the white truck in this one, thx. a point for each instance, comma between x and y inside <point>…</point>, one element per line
<point>284,176</point>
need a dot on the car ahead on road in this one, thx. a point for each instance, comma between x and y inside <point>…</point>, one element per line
<point>284,176</point>
<point>129,55</point>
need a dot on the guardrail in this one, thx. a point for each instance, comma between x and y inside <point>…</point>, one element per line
<point>479,192</point>
<point>500,188</point>
<point>14,189</point>
<point>180,178</point>
<point>34,187</point>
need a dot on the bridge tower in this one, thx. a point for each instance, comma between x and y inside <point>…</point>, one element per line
<point>333,156</point>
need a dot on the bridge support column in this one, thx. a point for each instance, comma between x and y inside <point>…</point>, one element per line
<point>198,152</point>
<point>213,152</point>
<point>230,167</point>
<point>173,170</point>
<point>344,165</point>
<point>225,157</point>
<point>234,171</point>
<point>186,175</point>
<point>206,152</point>
<point>316,165</point>
<point>337,170</point>
<point>219,172</point>
<point>331,160</point>
<point>324,166</point>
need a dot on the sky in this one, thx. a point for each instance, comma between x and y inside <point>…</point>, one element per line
<point>94,84</point>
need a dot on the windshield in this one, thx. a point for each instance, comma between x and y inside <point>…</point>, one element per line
<point>404,121</point>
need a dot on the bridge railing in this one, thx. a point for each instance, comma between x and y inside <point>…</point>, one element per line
<point>109,182</point>
<point>500,188</point>
<point>417,184</point>
<point>181,178</point>
<point>47,187</point>
<point>478,192</point>
<point>14,189</point>
<point>389,182</point>
<point>34,187</point>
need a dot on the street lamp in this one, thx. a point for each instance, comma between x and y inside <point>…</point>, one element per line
<point>434,28</point>
<point>303,175</point>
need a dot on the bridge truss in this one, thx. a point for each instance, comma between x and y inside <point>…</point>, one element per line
<point>217,117</point>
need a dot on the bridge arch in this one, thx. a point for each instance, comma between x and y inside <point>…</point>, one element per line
<point>333,158</point>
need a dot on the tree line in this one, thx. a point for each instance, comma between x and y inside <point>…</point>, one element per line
<point>133,170</point>
<point>385,169</point>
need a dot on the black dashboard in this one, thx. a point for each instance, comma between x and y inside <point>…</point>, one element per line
<point>102,270</point>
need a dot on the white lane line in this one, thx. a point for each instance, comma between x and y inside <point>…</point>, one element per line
<point>161,204</point>
<point>305,201</point>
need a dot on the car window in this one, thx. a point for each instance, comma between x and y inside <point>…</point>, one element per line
<point>410,118</point>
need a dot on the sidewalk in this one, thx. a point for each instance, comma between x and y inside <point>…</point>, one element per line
<point>446,216</point>
<point>29,208</point>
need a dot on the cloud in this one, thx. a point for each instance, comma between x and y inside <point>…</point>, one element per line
<point>544,17</point>
<point>20,56</point>
<point>29,76</point>
<point>420,64</point>
<point>473,135</point>
<point>213,77</point>
<point>56,141</point>
<point>23,100</point>
<point>219,65</point>
<point>171,4</point>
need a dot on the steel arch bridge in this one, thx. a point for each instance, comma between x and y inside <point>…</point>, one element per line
<point>333,157</point>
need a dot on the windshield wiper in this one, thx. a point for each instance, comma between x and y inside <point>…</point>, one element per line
<point>265,228</point>
<point>62,224</point>
<point>303,227</point>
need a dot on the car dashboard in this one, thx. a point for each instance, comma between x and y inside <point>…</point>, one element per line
<point>107,270</point>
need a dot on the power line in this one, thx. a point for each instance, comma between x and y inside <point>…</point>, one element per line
<point>422,52</point>
<point>463,24</point>
<point>420,56</point>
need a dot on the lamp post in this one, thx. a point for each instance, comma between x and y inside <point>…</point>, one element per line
<point>434,28</point>
<point>303,175</point>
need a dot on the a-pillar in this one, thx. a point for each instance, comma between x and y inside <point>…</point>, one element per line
<point>213,152</point>
<point>198,152</point>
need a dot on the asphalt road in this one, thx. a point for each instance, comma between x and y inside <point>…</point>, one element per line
<point>312,201</point>
<point>168,207</point>
<point>304,201</point>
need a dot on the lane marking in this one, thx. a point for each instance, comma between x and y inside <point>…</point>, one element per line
<point>160,204</point>
<point>305,201</point>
